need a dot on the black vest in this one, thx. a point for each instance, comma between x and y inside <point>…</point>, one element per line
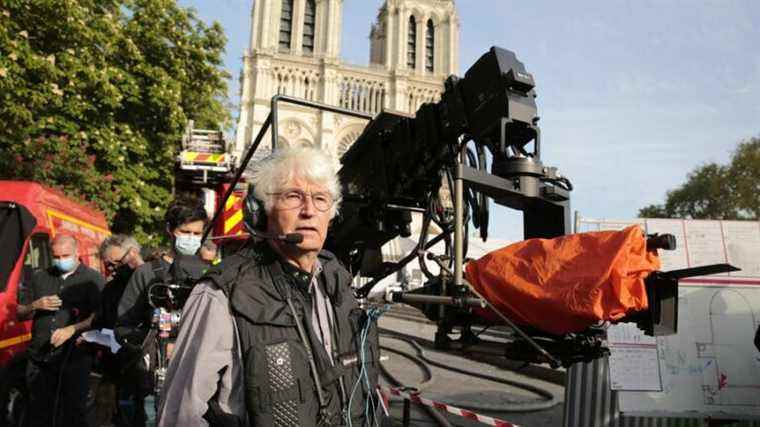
<point>279,384</point>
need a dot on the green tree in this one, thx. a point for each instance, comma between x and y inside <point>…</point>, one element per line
<point>715,191</point>
<point>95,95</point>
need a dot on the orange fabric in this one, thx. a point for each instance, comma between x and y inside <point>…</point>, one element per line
<point>568,283</point>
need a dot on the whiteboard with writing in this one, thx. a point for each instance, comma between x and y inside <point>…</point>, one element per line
<point>711,368</point>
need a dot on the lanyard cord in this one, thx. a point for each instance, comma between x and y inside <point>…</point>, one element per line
<point>312,364</point>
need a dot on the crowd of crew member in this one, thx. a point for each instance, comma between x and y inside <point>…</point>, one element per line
<point>70,297</point>
<point>271,336</point>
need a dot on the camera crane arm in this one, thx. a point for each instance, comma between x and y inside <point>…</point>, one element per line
<point>398,164</point>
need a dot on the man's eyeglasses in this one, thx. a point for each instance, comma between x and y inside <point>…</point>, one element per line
<point>294,199</point>
<point>118,263</point>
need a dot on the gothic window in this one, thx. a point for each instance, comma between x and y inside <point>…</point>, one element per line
<point>309,20</point>
<point>286,25</point>
<point>411,44</point>
<point>429,46</point>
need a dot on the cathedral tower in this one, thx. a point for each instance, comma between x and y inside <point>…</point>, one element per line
<point>297,27</point>
<point>294,49</point>
<point>419,36</point>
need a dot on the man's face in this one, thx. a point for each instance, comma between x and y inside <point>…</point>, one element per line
<point>115,257</point>
<point>186,238</point>
<point>64,250</point>
<point>307,220</point>
<point>194,228</point>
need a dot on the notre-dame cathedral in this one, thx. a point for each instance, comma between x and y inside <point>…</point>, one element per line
<point>295,50</point>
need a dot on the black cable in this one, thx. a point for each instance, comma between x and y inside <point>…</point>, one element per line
<point>483,212</point>
<point>428,373</point>
<point>470,196</point>
<point>549,401</point>
<point>447,249</point>
<point>422,241</point>
<point>449,225</point>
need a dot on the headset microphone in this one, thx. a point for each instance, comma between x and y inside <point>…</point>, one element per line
<point>291,238</point>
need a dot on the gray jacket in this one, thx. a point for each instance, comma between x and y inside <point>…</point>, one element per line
<point>207,362</point>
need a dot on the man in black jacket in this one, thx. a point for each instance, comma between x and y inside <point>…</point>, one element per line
<point>273,335</point>
<point>185,220</point>
<point>121,256</point>
<point>62,303</point>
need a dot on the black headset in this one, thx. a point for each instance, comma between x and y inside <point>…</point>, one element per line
<point>254,215</point>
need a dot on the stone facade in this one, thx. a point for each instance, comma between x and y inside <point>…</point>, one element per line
<point>295,50</point>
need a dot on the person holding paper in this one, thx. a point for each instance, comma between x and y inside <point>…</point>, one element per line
<point>121,256</point>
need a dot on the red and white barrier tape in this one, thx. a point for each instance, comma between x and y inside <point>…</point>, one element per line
<point>464,413</point>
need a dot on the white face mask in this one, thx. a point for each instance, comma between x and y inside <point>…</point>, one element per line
<point>187,244</point>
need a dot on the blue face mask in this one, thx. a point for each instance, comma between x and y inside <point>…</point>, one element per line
<point>187,244</point>
<point>65,265</point>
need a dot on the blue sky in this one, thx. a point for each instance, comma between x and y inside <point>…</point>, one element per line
<point>632,94</point>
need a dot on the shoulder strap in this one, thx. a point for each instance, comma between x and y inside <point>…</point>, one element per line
<point>159,270</point>
<point>223,275</point>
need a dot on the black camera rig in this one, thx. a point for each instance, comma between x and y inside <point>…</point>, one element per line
<point>399,164</point>
<point>403,164</point>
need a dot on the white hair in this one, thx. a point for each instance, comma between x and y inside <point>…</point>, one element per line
<point>123,241</point>
<point>286,164</point>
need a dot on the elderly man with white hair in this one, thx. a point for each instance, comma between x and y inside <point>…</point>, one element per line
<point>63,302</point>
<point>273,335</point>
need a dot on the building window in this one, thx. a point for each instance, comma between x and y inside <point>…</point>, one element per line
<point>286,25</point>
<point>429,46</point>
<point>411,44</point>
<point>309,20</point>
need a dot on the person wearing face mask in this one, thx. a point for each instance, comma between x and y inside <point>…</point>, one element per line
<point>118,400</point>
<point>121,256</point>
<point>64,299</point>
<point>185,220</point>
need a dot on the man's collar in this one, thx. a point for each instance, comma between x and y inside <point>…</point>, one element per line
<point>65,276</point>
<point>303,279</point>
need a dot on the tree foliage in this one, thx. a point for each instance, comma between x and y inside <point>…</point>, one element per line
<point>715,191</point>
<point>95,95</point>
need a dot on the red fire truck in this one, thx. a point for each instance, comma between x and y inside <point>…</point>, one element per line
<point>205,166</point>
<point>30,215</point>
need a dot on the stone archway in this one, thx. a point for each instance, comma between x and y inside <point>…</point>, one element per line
<point>348,136</point>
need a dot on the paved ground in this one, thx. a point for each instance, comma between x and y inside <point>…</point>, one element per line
<point>496,399</point>
<point>458,389</point>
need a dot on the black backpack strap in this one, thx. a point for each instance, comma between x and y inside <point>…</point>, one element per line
<point>224,275</point>
<point>160,270</point>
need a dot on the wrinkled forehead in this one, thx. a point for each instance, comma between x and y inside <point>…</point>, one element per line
<point>63,247</point>
<point>300,182</point>
<point>114,253</point>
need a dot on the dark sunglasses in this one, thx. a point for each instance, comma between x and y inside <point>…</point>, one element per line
<point>114,265</point>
